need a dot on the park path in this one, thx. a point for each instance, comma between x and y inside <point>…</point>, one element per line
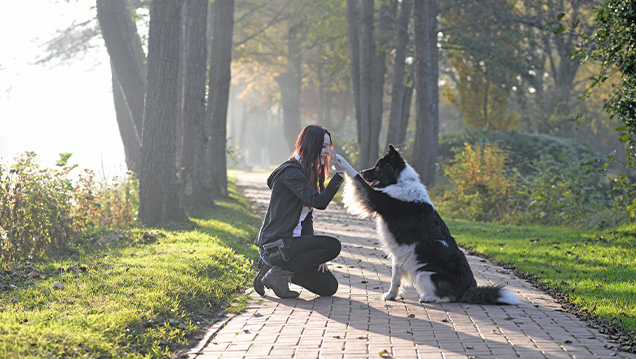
<point>357,323</point>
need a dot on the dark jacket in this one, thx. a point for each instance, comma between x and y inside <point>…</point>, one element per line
<point>290,191</point>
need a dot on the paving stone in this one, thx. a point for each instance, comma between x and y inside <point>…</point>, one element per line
<point>357,323</point>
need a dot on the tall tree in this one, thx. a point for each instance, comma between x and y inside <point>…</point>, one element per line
<point>127,131</point>
<point>353,18</point>
<point>427,90</point>
<point>367,71</point>
<point>191,168</point>
<point>381,43</point>
<point>367,57</point>
<point>480,53</point>
<point>128,64</point>
<point>542,61</point>
<point>158,193</point>
<point>290,85</point>
<point>400,94</point>
<point>218,96</point>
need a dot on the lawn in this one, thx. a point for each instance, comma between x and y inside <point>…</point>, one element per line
<point>144,296</point>
<point>594,271</point>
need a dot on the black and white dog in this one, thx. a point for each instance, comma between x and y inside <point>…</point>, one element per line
<point>415,237</point>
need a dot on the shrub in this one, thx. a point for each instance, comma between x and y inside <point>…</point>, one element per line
<point>484,188</point>
<point>43,212</point>
<point>562,191</point>
<point>522,148</point>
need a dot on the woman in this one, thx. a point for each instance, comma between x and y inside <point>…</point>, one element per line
<point>298,186</point>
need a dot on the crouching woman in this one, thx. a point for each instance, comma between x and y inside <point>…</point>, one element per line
<point>290,251</point>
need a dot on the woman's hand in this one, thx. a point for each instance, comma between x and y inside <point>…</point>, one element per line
<point>323,268</point>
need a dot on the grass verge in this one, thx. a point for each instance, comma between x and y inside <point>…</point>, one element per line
<point>144,298</point>
<point>593,272</point>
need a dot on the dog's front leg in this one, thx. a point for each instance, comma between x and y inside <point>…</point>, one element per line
<point>396,278</point>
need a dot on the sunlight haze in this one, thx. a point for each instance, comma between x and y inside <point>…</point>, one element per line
<point>56,107</point>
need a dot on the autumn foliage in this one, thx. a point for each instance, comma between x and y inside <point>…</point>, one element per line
<point>44,211</point>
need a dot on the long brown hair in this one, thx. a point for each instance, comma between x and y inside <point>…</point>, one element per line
<point>308,147</point>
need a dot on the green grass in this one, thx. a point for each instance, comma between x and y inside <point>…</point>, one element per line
<point>139,300</point>
<point>595,270</point>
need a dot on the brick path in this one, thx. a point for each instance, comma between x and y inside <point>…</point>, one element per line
<point>358,323</point>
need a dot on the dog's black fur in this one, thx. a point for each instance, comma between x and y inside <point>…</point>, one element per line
<point>415,236</point>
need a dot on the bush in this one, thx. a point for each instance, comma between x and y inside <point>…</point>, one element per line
<point>484,186</point>
<point>42,211</point>
<point>562,191</point>
<point>522,148</point>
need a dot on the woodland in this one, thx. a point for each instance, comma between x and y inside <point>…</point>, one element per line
<point>512,111</point>
<point>517,114</point>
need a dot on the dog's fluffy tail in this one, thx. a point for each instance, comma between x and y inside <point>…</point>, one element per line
<point>492,294</point>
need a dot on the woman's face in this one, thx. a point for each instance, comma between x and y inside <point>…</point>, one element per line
<point>326,146</point>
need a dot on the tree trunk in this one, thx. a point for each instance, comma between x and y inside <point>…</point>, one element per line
<point>132,144</point>
<point>126,55</point>
<point>397,125</point>
<point>367,54</point>
<point>158,196</point>
<point>427,94</point>
<point>290,85</point>
<point>354,53</point>
<point>219,93</point>
<point>406,110</point>
<point>378,70</point>
<point>191,168</point>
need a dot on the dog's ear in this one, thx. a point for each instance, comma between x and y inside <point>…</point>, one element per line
<point>391,149</point>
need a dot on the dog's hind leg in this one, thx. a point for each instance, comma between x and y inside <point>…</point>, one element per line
<point>396,278</point>
<point>427,289</point>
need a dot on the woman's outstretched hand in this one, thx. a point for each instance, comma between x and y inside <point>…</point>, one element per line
<point>323,268</point>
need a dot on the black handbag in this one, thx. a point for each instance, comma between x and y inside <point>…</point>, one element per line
<point>275,253</point>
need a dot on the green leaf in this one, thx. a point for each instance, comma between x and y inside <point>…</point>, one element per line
<point>621,128</point>
<point>624,137</point>
<point>559,30</point>
<point>64,156</point>
<point>560,16</point>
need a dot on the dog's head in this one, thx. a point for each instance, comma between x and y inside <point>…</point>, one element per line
<point>386,171</point>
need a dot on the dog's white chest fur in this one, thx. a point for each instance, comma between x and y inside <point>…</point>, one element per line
<point>408,188</point>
